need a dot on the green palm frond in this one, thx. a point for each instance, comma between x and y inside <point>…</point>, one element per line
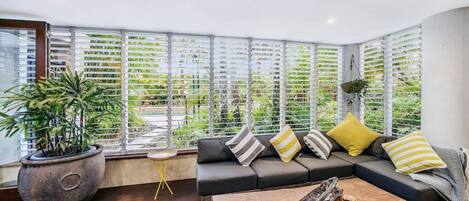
<point>57,112</point>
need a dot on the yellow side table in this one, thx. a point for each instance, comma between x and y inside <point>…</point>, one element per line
<point>162,157</point>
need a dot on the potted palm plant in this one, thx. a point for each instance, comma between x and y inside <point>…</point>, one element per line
<point>62,115</point>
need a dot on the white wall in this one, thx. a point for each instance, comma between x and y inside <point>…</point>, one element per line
<point>347,55</point>
<point>445,78</point>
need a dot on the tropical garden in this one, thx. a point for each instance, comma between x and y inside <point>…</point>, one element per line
<point>147,100</point>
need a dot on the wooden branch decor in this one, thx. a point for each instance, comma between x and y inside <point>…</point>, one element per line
<point>327,191</point>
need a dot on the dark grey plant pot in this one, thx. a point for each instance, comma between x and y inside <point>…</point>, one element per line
<point>71,178</point>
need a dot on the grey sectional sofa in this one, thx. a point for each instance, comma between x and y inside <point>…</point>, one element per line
<point>218,170</point>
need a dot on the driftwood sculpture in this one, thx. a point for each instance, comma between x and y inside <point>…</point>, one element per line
<point>327,191</point>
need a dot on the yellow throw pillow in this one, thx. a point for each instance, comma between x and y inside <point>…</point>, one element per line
<point>353,135</point>
<point>286,144</point>
<point>412,153</point>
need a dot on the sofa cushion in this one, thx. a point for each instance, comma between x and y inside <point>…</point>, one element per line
<point>354,160</point>
<point>271,171</point>
<point>324,169</point>
<point>224,177</point>
<point>353,135</point>
<point>245,146</point>
<point>381,173</point>
<point>412,153</point>
<point>213,150</point>
<point>376,149</point>
<point>318,143</point>
<point>306,149</point>
<point>286,144</point>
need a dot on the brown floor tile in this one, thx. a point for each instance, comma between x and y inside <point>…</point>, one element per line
<point>184,190</point>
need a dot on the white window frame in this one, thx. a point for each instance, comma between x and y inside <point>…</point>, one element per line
<point>388,79</point>
<point>249,119</point>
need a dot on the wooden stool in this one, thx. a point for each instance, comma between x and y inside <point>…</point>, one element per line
<point>162,156</point>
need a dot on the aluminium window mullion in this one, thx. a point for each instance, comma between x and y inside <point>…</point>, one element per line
<point>249,91</point>
<point>72,49</point>
<point>211,89</point>
<point>361,102</point>
<point>387,86</point>
<point>169,113</point>
<point>283,83</point>
<point>313,88</point>
<point>124,92</point>
<point>340,101</point>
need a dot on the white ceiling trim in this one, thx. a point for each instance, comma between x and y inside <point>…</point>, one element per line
<point>299,20</point>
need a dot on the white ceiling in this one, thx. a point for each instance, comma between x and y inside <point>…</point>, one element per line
<point>299,20</point>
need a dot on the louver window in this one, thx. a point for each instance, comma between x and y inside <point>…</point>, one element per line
<point>17,66</point>
<point>266,63</point>
<point>230,78</point>
<point>179,88</point>
<point>299,70</point>
<point>392,67</point>
<point>328,94</point>
<point>147,66</point>
<point>405,61</point>
<point>98,56</point>
<point>60,50</point>
<point>372,68</point>
<point>190,88</point>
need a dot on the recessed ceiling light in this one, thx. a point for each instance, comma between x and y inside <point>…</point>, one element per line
<point>331,21</point>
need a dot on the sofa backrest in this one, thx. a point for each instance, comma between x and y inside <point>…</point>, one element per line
<point>375,148</point>
<point>269,148</point>
<point>215,150</point>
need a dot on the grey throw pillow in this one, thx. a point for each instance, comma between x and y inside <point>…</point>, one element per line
<point>245,146</point>
<point>318,143</point>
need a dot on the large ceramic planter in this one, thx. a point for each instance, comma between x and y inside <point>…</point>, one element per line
<point>70,178</point>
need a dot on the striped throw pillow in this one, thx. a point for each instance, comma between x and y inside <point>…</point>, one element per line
<point>286,144</point>
<point>412,153</point>
<point>318,143</point>
<point>245,146</point>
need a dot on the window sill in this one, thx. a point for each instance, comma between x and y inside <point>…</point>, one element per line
<point>180,152</point>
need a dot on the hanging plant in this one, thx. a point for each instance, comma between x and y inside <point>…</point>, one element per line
<point>356,87</point>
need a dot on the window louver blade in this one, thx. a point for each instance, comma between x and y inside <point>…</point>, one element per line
<point>25,56</point>
<point>266,62</point>
<point>230,84</point>
<point>190,88</point>
<point>98,56</point>
<point>328,94</point>
<point>405,55</point>
<point>372,64</point>
<point>147,67</point>
<point>299,68</point>
<point>179,88</point>
<point>60,51</point>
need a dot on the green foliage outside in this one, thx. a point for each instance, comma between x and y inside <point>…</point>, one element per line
<point>374,97</point>
<point>298,91</point>
<point>326,94</point>
<point>406,101</point>
<point>265,104</point>
<point>148,89</point>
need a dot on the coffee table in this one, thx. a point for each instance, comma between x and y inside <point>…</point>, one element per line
<point>359,189</point>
